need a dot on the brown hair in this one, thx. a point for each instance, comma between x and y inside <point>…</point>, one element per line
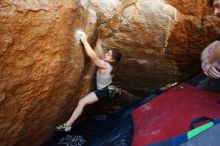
<point>116,56</point>
<point>210,3</point>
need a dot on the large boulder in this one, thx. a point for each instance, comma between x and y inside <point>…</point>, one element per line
<point>161,41</point>
<point>44,70</point>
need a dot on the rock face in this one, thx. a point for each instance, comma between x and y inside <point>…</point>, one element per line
<point>141,30</point>
<point>161,41</point>
<point>44,70</point>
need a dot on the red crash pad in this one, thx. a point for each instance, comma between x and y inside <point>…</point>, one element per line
<point>171,113</point>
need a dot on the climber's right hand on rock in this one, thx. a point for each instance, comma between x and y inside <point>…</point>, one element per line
<point>82,36</point>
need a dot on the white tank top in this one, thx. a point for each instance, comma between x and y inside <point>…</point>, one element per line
<point>104,80</point>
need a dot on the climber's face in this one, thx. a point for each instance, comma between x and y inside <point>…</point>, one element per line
<point>108,56</point>
<point>216,6</point>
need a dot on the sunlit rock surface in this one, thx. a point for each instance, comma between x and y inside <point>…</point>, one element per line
<point>161,41</point>
<point>45,71</point>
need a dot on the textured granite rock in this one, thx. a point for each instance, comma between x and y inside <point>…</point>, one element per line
<point>44,70</point>
<point>161,41</point>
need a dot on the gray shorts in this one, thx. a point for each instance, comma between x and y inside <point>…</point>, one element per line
<point>210,84</point>
<point>106,93</point>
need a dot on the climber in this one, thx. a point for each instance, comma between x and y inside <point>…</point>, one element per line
<point>210,58</point>
<point>105,72</point>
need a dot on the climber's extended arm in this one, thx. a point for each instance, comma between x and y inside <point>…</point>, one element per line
<point>90,52</point>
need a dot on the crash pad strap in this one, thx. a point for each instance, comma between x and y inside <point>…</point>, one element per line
<point>199,120</point>
<point>198,130</point>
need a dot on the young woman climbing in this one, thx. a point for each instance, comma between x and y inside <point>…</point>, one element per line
<point>105,72</point>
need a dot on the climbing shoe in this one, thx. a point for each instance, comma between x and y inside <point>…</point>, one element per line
<point>63,128</point>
